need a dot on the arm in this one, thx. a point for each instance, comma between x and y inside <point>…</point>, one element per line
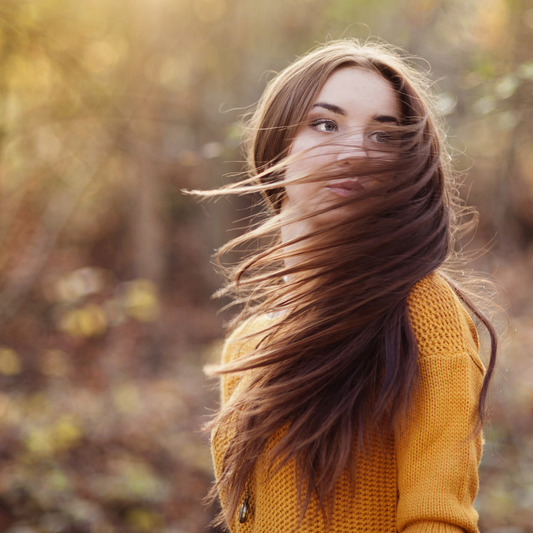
<point>437,451</point>
<point>438,455</point>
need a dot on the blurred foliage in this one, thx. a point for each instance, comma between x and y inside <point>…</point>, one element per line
<point>108,109</point>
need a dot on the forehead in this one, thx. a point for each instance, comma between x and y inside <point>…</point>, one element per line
<point>356,87</point>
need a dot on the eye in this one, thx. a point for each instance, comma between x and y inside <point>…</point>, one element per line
<point>380,137</point>
<point>324,125</point>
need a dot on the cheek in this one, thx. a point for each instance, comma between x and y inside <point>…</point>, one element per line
<point>309,144</point>
<point>302,196</point>
<point>300,165</point>
<point>306,162</point>
<point>299,144</point>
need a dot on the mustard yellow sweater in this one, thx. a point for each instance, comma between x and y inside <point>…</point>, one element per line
<point>423,479</point>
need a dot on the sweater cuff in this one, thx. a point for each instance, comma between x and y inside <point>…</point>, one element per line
<point>432,527</point>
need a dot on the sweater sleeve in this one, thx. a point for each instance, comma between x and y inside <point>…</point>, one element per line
<point>438,452</point>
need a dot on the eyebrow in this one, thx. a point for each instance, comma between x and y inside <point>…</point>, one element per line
<point>386,118</point>
<point>331,107</point>
<point>340,111</point>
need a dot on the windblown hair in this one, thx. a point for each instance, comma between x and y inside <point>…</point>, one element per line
<point>342,357</point>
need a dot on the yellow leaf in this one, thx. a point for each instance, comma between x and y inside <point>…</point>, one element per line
<point>144,519</point>
<point>9,362</point>
<point>141,300</point>
<point>87,321</point>
<point>39,442</point>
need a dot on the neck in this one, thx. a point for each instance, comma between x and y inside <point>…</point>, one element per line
<point>292,231</point>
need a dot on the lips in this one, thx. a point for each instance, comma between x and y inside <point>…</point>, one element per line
<point>345,187</point>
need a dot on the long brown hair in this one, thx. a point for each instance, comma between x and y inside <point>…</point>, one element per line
<point>343,357</point>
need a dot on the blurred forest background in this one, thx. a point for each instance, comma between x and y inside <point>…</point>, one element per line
<point>108,108</point>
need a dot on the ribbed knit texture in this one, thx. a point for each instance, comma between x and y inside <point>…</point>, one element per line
<point>421,480</point>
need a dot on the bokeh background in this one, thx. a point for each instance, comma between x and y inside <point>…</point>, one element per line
<point>108,108</point>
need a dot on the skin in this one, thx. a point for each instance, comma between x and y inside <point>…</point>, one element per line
<point>348,110</point>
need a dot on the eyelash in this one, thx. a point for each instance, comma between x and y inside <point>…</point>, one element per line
<point>318,122</point>
<point>385,136</point>
<point>373,136</point>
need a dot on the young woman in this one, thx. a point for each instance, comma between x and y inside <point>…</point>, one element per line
<point>352,390</point>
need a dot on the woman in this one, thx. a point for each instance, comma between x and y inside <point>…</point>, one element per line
<point>352,391</point>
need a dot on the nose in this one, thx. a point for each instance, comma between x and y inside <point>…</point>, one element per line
<point>347,155</point>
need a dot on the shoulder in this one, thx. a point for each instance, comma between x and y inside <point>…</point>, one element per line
<point>440,322</point>
<point>244,338</point>
<point>241,342</point>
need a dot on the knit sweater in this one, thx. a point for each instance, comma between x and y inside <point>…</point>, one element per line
<point>422,479</point>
